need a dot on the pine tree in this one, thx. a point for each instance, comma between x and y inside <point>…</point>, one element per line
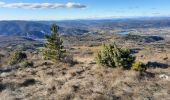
<point>54,50</point>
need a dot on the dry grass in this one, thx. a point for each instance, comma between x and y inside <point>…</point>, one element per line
<point>85,80</point>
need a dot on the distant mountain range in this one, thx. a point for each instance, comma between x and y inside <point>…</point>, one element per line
<point>37,29</point>
<point>33,29</point>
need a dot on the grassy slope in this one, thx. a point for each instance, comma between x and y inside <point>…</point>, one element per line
<point>86,80</point>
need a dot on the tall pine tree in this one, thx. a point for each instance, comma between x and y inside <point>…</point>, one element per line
<point>54,49</point>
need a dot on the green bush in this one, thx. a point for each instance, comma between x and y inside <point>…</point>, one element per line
<point>112,56</point>
<point>26,63</point>
<point>139,66</point>
<point>17,57</point>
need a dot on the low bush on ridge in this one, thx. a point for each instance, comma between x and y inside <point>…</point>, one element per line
<point>17,57</point>
<point>112,56</point>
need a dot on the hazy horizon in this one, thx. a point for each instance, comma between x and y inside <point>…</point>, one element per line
<point>107,18</point>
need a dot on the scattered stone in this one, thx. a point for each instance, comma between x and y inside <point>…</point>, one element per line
<point>163,76</point>
<point>6,74</point>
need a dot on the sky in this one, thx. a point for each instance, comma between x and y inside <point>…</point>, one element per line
<point>81,9</point>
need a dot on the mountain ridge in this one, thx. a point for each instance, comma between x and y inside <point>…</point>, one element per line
<point>37,29</point>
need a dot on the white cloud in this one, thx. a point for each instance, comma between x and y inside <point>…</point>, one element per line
<point>41,5</point>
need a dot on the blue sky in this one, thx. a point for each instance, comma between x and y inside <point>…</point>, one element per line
<point>81,9</point>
